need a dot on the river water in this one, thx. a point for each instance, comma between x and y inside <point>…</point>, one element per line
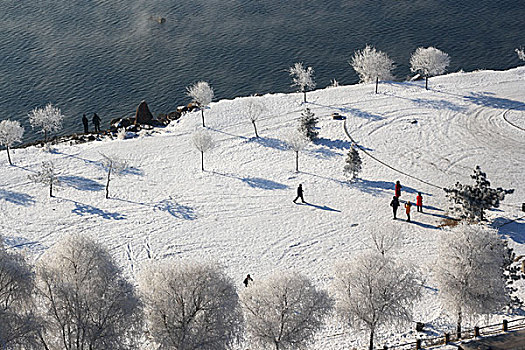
<point>105,56</point>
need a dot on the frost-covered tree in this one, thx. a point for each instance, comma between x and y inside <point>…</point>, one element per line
<point>375,292</point>
<point>11,132</point>
<point>253,112</point>
<point>512,267</point>
<point>113,165</point>
<point>308,125</point>
<point>303,78</point>
<point>202,94</point>
<point>284,311</point>
<point>521,53</point>
<point>372,65</point>
<point>47,176</point>
<point>429,62</point>
<point>353,163</point>
<point>470,271</point>
<point>18,324</point>
<point>296,142</point>
<point>84,299</point>
<point>47,119</point>
<point>203,143</point>
<point>190,306</point>
<point>470,201</point>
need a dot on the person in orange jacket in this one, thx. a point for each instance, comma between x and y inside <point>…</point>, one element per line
<point>419,202</point>
<point>407,210</point>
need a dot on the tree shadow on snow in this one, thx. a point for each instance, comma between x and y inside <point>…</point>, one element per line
<point>514,230</point>
<point>354,112</point>
<point>271,142</point>
<point>376,188</point>
<point>81,183</point>
<point>86,209</point>
<point>175,209</point>
<point>487,99</point>
<point>17,198</point>
<point>333,144</point>
<point>323,153</point>
<point>438,104</point>
<point>256,182</point>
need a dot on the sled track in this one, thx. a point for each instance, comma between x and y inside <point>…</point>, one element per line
<point>508,121</point>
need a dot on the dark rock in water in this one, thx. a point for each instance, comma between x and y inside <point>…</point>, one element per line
<point>174,115</point>
<point>192,106</point>
<point>91,138</point>
<point>133,128</point>
<point>143,115</point>
<point>182,109</point>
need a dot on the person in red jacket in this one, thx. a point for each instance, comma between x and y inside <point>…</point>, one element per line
<point>397,189</point>
<point>419,202</point>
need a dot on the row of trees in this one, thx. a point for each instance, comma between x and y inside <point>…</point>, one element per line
<point>76,297</point>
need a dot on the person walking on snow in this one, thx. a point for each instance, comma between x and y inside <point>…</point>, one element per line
<point>85,122</point>
<point>394,204</point>
<point>96,122</point>
<point>419,202</point>
<point>299,194</point>
<point>397,189</point>
<point>247,280</point>
<point>407,209</point>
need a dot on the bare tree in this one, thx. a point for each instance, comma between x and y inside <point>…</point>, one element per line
<point>470,201</point>
<point>284,311</point>
<point>384,241</point>
<point>18,324</point>
<point>470,271</point>
<point>375,292</point>
<point>203,143</point>
<point>85,301</point>
<point>372,65</point>
<point>11,132</point>
<point>253,112</point>
<point>429,62</point>
<point>521,53</point>
<point>190,305</point>
<point>46,176</point>
<point>113,165</point>
<point>303,78</point>
<point>47,119</point>
<point>296,142</point>
<point>202,94</point>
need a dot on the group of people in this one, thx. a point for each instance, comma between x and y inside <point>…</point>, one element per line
<point>395,202</point>
<point>95,120</point>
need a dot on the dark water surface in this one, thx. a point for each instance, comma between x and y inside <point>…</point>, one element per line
<point>105,56</point>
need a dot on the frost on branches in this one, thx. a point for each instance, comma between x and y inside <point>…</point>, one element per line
<point>372,65</point>
<point>469,201</point>
<point>47,119</point>
<point>375,292</point>
<point>113,165</point>
<point>302,78</point>
<point>521,53</point>
<point>203,142</point>
<point>85,301</point>
<point>296,142</point>
<point>190,306</point>
<point>470,271</point>
<point>353,163</point>
<point>18,324</point>
<point>11,132</point>
<point>284,311</point>
<point>253,112</point>
<point>46,176</point>
<point>201,94</point>
<point>308,123</point>
<point>429,62</point>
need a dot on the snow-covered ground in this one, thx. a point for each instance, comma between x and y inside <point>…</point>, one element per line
<point>239,212</point>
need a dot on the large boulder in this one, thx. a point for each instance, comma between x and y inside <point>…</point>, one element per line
<point>143,115</point>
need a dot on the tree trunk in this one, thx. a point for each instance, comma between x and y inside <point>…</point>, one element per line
<point>202,113</point>
<point>202,161</point>
<point>304,94</point>
<point>9,156</point>
<point>45,135</point>
<point>255,127</point>
<point>371,345</point>
<point>426,82</point>
<point>50,188</point>
<point>107,183</point>
<point>481,214</point>
<point>276,345</point>
<point>458,325</point>
<point>297,161</point>
<point>377,83</point>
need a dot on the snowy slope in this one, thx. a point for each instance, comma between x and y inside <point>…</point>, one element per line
<point>239,212</point>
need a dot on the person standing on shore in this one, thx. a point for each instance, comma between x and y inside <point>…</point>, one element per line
<point>394,204</point>
<point>85,122</point>
<point>96,122</point>
<point>299,194</point>
<point>419,202</point>
<point>407,209</point>
<point>397,189</point>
